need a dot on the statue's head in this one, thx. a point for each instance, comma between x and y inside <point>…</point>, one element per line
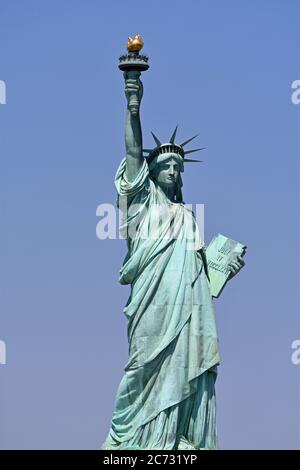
<point>166,172</point>
<point>166,162</point>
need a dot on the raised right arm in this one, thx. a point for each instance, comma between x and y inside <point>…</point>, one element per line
<point>133,130</point>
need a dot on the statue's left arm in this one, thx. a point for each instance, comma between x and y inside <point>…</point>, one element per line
<point>235,266</point>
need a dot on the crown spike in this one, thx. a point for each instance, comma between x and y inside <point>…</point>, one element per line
<point>187,160</point>
<point>157,141</point>
<point>147,150</point>
<point>172,138</point>
<point>194,150</point>
<point>189,140</point>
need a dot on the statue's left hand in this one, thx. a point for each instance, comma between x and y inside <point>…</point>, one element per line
<point>236,265</point>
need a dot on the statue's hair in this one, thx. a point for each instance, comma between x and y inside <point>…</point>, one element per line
<point>178,192</point>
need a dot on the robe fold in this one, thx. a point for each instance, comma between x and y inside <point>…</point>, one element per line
<point>166,398</point>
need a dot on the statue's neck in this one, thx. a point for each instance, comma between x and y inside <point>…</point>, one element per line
<point>169,192</point>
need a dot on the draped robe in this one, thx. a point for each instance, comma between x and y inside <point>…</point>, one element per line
<point>166,398</point>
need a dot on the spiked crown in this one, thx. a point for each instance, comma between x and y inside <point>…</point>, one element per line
<point>171,147</point>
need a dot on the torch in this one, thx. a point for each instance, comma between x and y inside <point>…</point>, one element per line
<point>134,63</point>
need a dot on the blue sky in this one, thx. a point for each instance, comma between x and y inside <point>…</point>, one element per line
<point>220,68</point>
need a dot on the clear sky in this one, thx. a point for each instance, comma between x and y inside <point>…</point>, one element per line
<point>222,68</point>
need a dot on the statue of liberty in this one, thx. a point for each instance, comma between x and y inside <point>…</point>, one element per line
<point>166,398</point>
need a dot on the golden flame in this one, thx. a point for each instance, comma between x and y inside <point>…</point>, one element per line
<point>135,44</point>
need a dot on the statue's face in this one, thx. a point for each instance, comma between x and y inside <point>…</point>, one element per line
<point>167,172</point>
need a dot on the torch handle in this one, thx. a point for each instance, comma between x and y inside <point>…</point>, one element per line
<point>134,100</point>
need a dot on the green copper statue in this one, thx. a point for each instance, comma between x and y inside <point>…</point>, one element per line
<point>166,398</point>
